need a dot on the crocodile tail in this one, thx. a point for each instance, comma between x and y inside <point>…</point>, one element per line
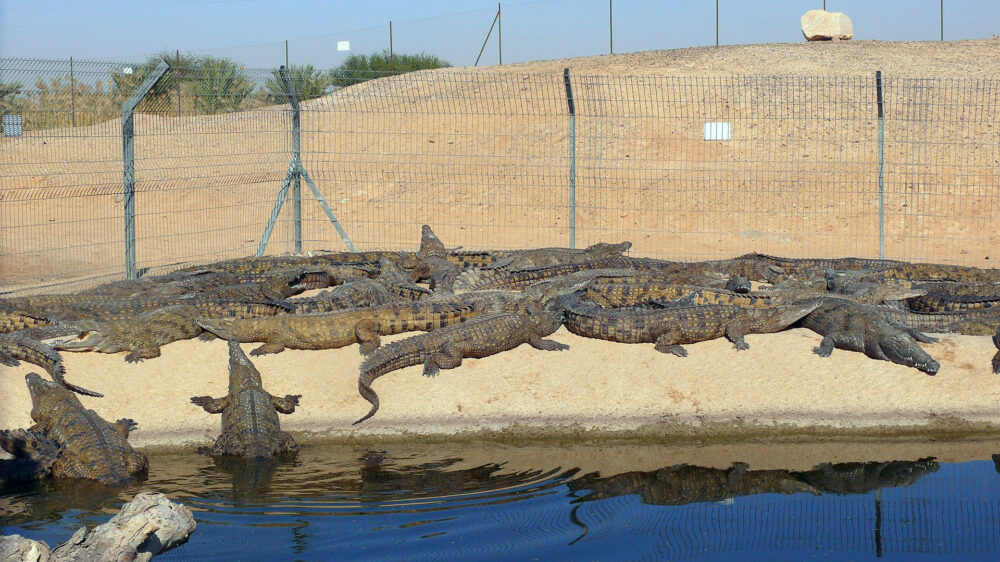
<point>396,355</point>
<point>472,279</point>
<point>221,327</point>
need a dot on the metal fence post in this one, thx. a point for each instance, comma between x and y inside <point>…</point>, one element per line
<point>128,160</point>
<point>881,166</point>
<point>572,159</point>
<point>296,156</point>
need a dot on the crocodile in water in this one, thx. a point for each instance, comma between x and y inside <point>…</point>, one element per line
<point>87,445</point>
<point>250,426</point>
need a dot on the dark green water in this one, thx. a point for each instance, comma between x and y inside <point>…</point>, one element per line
<point>582,502</point>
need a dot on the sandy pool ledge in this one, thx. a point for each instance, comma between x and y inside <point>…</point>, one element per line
<point>777,388</point>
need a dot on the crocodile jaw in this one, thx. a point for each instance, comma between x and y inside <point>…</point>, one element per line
<point>88,340</point>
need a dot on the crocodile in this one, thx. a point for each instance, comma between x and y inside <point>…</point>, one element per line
<point>543,257</point>
<point>609,295</point>
<point>15,348</point>
<point>856,327</point>
<point>934,272</point>
<point>805,267</point>
<point>949,296</point>
<point>88,446</point>
<point>338,329</point>
<point>432,263</point>
<point>979,322</point>
<point>517,279</point>
<point>268,263</point>
<point>446,347</point>
<point>399,284</point>
<point>996,357</point>
<point>143,335</point>
<point>670,327</point>
<point>356,294</point>
<point>12,321</point>
<point>250,426</point>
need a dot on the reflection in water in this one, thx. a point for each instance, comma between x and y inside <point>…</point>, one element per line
<point>683,484</point>
<point>346,502</point>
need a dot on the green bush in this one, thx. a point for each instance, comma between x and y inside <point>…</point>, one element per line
<point>307,82</point>
<point>359,68</point>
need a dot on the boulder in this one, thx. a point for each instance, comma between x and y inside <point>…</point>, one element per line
<point>820,25</point>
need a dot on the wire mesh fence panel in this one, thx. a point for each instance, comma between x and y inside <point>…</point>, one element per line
<point>694,168</point>
<point>942,174</point>
<point>685,168</point>
<point>482,157</point>
<point>61,171</point>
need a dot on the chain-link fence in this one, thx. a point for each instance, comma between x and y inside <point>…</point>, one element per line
<point>685,168</point>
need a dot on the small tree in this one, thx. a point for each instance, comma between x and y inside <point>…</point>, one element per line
<point>307,82</point>
<point>219,85</point>
<point>8,96</point>
<point>359,68</point>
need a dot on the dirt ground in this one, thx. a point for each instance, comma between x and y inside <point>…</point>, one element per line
<point>777,387</point>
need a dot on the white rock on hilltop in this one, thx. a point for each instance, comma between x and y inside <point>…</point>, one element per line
<point>820,25</point>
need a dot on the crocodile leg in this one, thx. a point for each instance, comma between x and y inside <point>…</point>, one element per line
<point>211,405</point>
<point>734,333</point>
<point>448,356</point>
<point>270,347</point>
<point>664,344</point>
<point>125,426</point>
<point>546,345</point>
<point>287,404</point>
<point>145,350</point>
<point>825,347</point>
<point>367,333</point>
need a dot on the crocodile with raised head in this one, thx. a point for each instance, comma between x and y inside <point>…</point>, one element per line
<point>432,263</point>
<point>250,426</point>
<point>87,446</point>
<point>15,348</point>
<point>856,327</point>
<point>143,335</point>
<point>445,348</point>
<point>670,327</point>
<point>332,330</point>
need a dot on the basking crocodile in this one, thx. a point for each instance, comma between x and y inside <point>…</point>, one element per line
<point>608,295</point>
<point>949,296</point>
<point>996,357</point>
<point>517,279</point>
<point>12,321</point>
<point>978,322</point>
<point>355,294</point>
<point>338,329</point>
<point>268,263</point>
<point>87,445</point>
<point>143,335</point>
<point>856,327</point>
<point>799,267</point>
<point>250,426</point>
<point>15,348</point>
<point>543,257</point>
<point>934,272</point>
<point>446,347</point>
<point>399,284</point>
<point>670,327</point>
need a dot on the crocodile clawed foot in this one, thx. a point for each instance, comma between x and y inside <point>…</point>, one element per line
<point>673,349</point>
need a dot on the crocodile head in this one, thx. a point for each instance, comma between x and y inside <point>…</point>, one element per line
<point>92,337</point>
<point>242,373</point>
<point>903,349</point>
<point>43,394</point>
<point>605,250</point>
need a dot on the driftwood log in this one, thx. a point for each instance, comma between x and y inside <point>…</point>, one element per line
<point>146,526</point>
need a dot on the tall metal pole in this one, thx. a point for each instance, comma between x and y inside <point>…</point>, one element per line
<point>572,159</point>
<point>392,58</point>
<point>128,161</point>
<point>881,166</point>
<point>286,53</point>
<point>942,20</point>
<point>611,28</point>
<point>177,61</point>
<point>499,35</point>
<point>296,157</point>
<point>716,23</point>
<point>488,33</point>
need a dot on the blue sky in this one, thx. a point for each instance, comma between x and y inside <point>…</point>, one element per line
<point>253,32</point>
